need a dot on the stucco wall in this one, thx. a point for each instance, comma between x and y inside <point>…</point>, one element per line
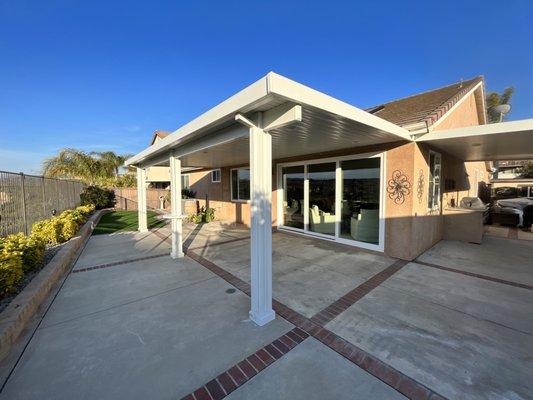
<point>158,174</point>
<point>219,197</point>
<point>465,114</point>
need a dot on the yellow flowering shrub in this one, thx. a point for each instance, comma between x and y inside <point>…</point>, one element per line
<point>31,249</point>
<point>11,272</point>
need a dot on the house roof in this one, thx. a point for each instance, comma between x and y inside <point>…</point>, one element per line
<point>427,107</point>
<point>159,134</point>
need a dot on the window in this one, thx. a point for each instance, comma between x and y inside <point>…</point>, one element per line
<point>185,181</point>
<point>434,180</point>
<point>240,184</point>
<point>215,176</point>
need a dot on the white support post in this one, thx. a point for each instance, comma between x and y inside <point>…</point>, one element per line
<point>175,204</point>
<point>261,232</point>
<point>261,205</point>
<point>141,200</point>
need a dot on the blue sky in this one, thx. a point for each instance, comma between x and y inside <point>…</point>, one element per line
<point>103,75</point>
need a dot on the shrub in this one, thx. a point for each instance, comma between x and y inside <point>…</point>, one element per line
<point>98,196</point>
<point>10,272</point>
<point>187,193</point>
<point>61,228</point>
<point>50,230</point>
<point>86,209</point>
<point>30,248</point>
<point>204,215</point>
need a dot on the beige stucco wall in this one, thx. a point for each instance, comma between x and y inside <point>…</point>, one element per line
<point>412,228</point>
<point>158,174</point>
<point>465,114</point>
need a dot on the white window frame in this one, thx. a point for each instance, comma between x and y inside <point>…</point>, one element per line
<point>219,175</point>
<point>435,206</point>
<point>231,185</point>
<point>338,185</point>
<point>183,178</point>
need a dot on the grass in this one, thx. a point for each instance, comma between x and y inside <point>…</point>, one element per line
<point>124,221</point>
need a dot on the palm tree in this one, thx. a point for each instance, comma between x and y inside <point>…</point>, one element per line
<point>494,100</point>
<point>112,161</point>
<point>73,164</point>
<point>91,168</point>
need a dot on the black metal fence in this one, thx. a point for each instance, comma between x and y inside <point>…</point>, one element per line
<point>25,199</point>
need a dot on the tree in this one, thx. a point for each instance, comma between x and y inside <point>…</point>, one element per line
<point>74,164</point>
<point>92,168</point>
<point>494,99</point>
<point>111,161</point>
<point>526,170</point>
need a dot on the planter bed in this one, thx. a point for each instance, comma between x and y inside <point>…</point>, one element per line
<point>36,287</point>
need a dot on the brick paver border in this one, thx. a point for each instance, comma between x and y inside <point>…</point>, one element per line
<point>335,309</point>
<point>397,380</point>
<point>131,260</point>
<point>244,370</point>
<point>473,274</point>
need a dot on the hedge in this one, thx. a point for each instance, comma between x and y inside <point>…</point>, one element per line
<point>20,254</point>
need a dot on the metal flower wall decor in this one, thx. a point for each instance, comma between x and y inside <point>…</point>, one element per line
<point>420,186</point>
<point>398,187</point>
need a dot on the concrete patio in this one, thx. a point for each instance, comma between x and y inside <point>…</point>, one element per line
<point>132,323</point>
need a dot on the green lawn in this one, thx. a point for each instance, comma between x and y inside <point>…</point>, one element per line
<point>123,221</point>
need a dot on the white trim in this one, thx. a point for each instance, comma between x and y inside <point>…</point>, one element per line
<point>438,206</point>
<point>219,175</point>
<point>457,104</point>
<point>231,185</point>
<point>520,126</point>
<point>188,181</point>
<point>175,205</point>
<point>142,212</point>
<point>380,247</point>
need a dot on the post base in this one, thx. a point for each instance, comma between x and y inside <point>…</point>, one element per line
<point>177,254</point>
<point>264,318</point>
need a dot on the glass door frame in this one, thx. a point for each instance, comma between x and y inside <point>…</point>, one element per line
<point>338,199</point>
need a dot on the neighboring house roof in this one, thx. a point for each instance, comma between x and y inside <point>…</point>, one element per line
<point>159,135</point>
<point>424,108</point>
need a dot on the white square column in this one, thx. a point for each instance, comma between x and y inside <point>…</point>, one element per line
<point>261,232</point>
<point>175,206</point>
<point>141,200</point>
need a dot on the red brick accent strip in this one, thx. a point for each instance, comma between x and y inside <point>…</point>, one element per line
<point>219,243</point>
<point>244,370</point>
<point>335,309</point>
<point>222,273</point>
<point>473,274</point>
<point>267,355</point>
<point>118,263</point>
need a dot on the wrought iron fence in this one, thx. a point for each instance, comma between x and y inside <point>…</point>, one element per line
<point>25,199</point>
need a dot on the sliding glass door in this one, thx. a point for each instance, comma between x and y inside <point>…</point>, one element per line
<point>360,200</point>
<point>293,196</point>
<point>321,179</point>
<point>335,198</point>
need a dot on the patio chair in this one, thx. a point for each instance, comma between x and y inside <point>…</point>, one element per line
<point>321,222</point>
<point>365,227</point>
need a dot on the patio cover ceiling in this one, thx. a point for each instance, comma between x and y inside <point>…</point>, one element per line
<point>215,139</point>
<point>503,141</point>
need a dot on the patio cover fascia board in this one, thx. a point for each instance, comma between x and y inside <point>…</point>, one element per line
<point>511,140</point>
<point>262,95</point>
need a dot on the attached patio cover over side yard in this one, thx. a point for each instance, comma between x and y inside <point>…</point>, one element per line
<point>278,119</point>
